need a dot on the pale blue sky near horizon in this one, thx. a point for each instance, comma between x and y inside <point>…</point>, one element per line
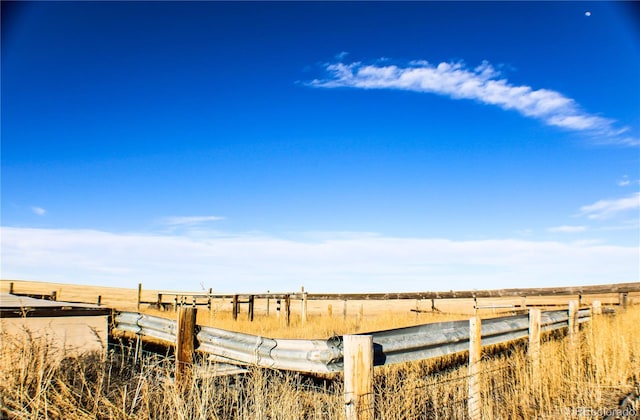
<point>354,146</point>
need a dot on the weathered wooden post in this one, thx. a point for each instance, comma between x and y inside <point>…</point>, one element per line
<point>623,299</point>
<point>236,307</point>
<point>11,288</point>
<point>573,322</point>
<point>344,309</point>
<point>287,309</point>
<point>210,307</point>
<point>185,341</point>
<point>433,305</point>
<point>268,303</point>
<point>303,309</point>
<point>475,356</point>
<point>596,307</point>
<point>139,296</point>
<point>251,307</point>
<point>99,300</point>
<point>533,352</point>
<point>358,377</point>
<point>159,302</point>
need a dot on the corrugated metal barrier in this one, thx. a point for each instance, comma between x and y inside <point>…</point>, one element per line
<point>325,356</point>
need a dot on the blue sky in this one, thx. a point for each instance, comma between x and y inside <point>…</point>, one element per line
<point>341,146</point>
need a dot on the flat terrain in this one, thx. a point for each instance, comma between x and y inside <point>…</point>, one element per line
<point>325,318</point>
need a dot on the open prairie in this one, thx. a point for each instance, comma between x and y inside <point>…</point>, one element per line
<point>325,317</point>
<point>586,377</point>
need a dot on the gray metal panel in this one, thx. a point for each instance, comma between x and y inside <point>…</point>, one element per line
<point>419,342</point>
<point>147,325</point>
<point>318,356</point>
<point>324,356</point>
<point>505,329</point>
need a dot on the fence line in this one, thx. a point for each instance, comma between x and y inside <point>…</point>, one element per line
<point>342,354</point>
<point>174,300</point>
<point>324,356</point>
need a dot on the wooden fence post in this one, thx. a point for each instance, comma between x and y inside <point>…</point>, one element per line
<point>236,307</point>
<point>139,296</point>
<point>358,377</point>
<point>303,309</point>
<point>211,310</point>
<point>99,300</point>
<point>252,299</point>
<point>573,321</point>
<point>623,299</point>
<point>596,308</point>
<point>533,352</point>
<point>475,355</point>
<point>287,309</point>
<point>268,303</point>
<point>11,288</point>
<point>185,343</point>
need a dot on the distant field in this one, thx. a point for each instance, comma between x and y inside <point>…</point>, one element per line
<point>325,318</point>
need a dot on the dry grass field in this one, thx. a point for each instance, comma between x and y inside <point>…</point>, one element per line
<point>325,319</point>
<point>575,382</point>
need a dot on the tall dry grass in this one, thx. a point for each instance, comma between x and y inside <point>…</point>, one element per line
<point>594,374</point>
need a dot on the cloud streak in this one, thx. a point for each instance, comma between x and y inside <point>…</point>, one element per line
<point>607,209</point>
<point>567,229</point>
<point>189,220</point>
<point>38,211</point>
<point>335,263</point>
<point>483,84</point>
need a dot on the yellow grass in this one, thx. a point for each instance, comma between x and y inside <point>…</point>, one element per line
<point>572,381</point>
<point>592,376</point>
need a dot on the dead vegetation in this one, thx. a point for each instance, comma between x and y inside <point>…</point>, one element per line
<point>595,375</point>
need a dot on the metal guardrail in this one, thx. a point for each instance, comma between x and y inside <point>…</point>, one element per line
<point>325,356</point>
<point>316,356</point>
<point>147,325</point>
<point>444,338</point>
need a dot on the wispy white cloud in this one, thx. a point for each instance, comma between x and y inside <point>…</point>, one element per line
<point>625,181</point>
<point>38,210</point>
<point>606,209</point>
<point>483,84</point>
<point>567,229</point>
<point>253,262</point>
<point>189,220</point>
